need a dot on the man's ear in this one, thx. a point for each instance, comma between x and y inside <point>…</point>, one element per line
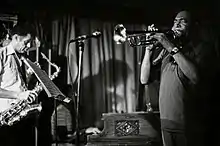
<point>15,37</point>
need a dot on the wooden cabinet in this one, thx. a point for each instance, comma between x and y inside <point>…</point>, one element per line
<point>128,129</point>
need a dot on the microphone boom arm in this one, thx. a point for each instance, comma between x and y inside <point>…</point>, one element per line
<point>84,37</point>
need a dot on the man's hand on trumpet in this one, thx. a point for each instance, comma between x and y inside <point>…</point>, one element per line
<point>163,40</point>
<point>149,47</point>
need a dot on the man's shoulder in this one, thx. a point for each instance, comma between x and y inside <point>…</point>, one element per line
<point>6,50</point>
<point>3,51</point>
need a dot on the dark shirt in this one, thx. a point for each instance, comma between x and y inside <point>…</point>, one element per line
<point>178,96</point>
<point>175,88</point>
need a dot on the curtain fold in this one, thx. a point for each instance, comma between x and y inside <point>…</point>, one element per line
<point>110,72</point>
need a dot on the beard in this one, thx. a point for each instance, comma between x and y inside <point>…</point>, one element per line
<point>180,32</point>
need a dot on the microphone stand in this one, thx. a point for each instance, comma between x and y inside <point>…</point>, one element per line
<point>80,45</point>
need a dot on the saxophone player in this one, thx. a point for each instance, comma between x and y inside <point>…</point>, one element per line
<point>13,84</point>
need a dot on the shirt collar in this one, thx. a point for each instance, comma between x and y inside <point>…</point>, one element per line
<point>10,50</point>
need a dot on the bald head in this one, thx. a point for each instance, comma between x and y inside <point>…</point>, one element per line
<point>184,14</point>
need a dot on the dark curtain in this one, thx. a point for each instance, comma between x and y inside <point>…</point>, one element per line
<point>110,71</point>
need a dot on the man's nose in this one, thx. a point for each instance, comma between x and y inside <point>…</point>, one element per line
<point>177,23</point>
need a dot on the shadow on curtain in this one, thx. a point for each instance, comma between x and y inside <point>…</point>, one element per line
<point>110,72</point>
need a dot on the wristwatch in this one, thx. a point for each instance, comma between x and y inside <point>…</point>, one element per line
<point>174,51</point>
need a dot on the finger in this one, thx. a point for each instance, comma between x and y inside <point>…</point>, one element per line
<point>149,47</point>
<point>30,99</point>
<point>97,130</point>
<point>157,36</point>
<point>152,34</point>
<point>150,37</point>
<point>34,93</point>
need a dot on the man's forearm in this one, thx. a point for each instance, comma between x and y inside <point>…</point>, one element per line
<point>145,68</point>
<point>7,94</point>
<point>187,67</point>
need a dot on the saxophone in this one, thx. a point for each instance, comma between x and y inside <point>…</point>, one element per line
<point>22,108</point>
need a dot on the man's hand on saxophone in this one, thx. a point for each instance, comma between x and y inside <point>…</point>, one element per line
<point>28,95</point>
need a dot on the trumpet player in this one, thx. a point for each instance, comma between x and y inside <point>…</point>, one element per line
<point>13,85</point>
<point>178,77</point>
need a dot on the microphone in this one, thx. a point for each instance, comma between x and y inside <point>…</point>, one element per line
<point>84,37</point>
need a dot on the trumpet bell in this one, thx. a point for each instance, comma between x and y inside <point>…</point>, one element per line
<point>120,35</point>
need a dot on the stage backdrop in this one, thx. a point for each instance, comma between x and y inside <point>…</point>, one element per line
<point>110,71</point>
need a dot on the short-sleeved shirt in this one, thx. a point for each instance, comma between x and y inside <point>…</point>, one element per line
<point>176,99</point>
<point>174,89</point>
<point>10,77</point>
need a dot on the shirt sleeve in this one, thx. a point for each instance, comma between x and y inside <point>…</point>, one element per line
<point>155,68</point>
<point>1,62</point>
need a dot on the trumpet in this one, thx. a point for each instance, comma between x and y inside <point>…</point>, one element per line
<point>137,38</point>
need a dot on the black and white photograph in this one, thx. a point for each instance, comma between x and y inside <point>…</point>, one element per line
<point>109,73</point>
